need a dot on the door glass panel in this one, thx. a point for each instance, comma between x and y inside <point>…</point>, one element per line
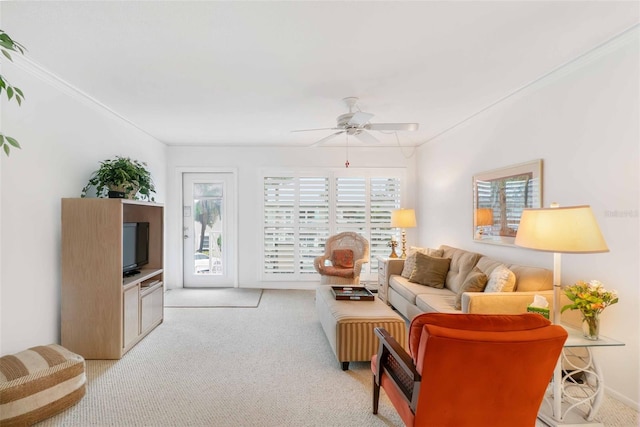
<point>209,230</point>
<point>208,203</point>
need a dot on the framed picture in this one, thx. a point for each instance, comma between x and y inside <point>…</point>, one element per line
<point>499,196</point>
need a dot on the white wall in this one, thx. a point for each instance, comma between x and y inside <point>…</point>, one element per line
<point>63,138</point>
<point>583,121</point>
<point>249,162</point>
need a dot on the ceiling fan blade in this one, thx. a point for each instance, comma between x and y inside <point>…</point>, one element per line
<point>367,138</point>
<point>309,130</point>
<point>359,118</point>
<point>326,138</point>
<point>392,126</point>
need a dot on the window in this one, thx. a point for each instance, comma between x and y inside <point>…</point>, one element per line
<point>302,210</point>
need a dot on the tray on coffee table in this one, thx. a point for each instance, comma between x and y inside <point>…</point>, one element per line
<point>352,293</point>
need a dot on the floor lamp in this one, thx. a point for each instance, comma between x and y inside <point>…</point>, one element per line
<point>403,218</point>
<point>571,229</point>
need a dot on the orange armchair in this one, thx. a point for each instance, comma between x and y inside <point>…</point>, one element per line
<point>468,369</point>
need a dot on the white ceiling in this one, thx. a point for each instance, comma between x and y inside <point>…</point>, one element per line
<point>247,73</point>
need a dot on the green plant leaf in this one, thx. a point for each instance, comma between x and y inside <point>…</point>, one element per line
<point>9,93</point>
<point>5,53</point>
<point>1,139</point>
<point>12,141</point>
<point>18,91</point>
<point>6,149</point>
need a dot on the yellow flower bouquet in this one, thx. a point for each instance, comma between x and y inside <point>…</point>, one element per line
<point>591,299</point>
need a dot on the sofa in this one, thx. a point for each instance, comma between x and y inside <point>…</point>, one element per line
<point>508,288</point>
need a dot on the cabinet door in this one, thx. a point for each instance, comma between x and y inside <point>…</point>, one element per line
<point>131,320</point>
<point>382,278</point>
<point>152,308</point>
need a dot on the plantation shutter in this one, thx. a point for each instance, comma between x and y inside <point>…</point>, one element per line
<point>313,217</point>
<point>385,198</point>
<point>279,221</point>
<point>351,205</point>
<point>301,212</point>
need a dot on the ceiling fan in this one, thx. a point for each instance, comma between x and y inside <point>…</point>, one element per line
<point>356,123</point>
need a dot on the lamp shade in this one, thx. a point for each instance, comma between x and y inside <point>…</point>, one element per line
<point>484,216</point>
<point>403,218</point>
<point>571,229</point>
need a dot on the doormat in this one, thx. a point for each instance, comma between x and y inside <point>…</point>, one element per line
<point>210,298</point>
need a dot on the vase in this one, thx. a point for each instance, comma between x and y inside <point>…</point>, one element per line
<point>121,192</point>
<point>591,326</point>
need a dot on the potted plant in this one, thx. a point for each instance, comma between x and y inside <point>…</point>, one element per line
<point>121,177</point>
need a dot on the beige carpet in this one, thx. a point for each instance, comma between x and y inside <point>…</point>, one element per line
<point>212,297</point>
<point>232,367</point>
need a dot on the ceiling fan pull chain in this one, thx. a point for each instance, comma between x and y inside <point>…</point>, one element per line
<point>346,164</point>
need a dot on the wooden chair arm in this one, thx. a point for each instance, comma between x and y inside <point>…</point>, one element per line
<point>357,266</point>
<point>396,363</point>
<point>318,262</point>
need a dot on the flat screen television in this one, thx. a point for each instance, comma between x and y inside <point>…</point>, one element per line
<point>135,247</point>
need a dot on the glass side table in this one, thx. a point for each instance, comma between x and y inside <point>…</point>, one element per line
<point>576,402</point>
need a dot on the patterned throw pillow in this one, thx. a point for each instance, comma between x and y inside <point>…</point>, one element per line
<point>430,271</point>
<point>410,261</point>
<point>342,258</point>
<point>475,281</point>
<point>501,279</point>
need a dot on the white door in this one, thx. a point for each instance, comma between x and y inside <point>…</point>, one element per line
<point>209,225</point>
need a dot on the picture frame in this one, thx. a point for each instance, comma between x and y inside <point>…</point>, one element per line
<point>499,196</point>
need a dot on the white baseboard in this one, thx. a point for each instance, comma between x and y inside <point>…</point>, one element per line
<point>622,399</point>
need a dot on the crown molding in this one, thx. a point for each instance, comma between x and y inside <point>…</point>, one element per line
<point>48,77</point>
<point>630,35</point>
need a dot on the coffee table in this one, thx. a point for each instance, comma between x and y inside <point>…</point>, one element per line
<point>348,325</point>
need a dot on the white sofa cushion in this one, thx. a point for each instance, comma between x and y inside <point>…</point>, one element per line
<point>409,290</point>
<point>462,262</point>
<point>530,279</point>
<point>442,302</point>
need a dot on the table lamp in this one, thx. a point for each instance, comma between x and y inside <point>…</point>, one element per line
<point>403,218</point>
<point>571,229</point>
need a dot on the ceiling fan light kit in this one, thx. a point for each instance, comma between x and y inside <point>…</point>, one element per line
<point>356,123</point>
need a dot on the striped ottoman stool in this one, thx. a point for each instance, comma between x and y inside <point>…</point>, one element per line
<point>349,325</point>
<point>38,383</point>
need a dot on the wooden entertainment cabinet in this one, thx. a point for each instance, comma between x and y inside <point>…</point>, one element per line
<point>103,315</point>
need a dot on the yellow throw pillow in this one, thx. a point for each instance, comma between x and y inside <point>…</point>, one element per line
<point>430,271</point>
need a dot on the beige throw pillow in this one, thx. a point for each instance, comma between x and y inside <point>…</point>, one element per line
<point>501,279</point>
<point>430,271</point>
<point>475,281</point>
<point>410,261</point>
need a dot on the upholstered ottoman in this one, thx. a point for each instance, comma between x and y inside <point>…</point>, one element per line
<point>349,325</point>
<point>38,383</point>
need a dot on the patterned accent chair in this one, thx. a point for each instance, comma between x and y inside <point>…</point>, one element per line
<point>468,369</point>
<point>347,252</point>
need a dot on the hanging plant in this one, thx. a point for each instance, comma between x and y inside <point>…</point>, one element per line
<point>8,44</point>
<point>121,177</point>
